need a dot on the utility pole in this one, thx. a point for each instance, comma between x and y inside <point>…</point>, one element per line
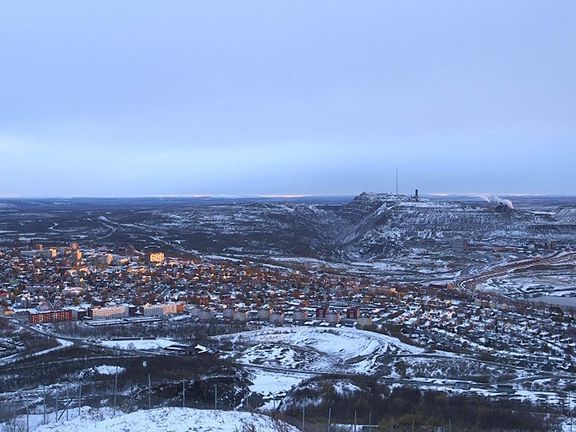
<point>27,417</point>
<point>115,390</point>
<point>303,417</point>
<point>570,408</point>
<point>44,407</point>
<point>183,393</point>
<point>355,421</point>
<point>79,396</point>
<point>15,413</point>
<point>215,396</point>
<point>370,422</point>
<point>67,402</point>
<point>329,419</point>
<point>149,392</point>
<point>396,180</point>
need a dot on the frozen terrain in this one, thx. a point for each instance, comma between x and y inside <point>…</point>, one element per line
<point>396,236</point>
<point>317,349</point>
<point>138,344</point>
<point>168,420</point>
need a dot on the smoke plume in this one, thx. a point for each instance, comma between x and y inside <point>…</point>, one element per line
<point>493,199</point>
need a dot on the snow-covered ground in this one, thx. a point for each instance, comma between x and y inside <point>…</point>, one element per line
<point>168,420</point>
<point>109,370</point>
<point>273,386</point>
<point>316,349</point>
<point>558,283</point>
<point>569,425</point>
<point>37,421</point>
<point>138,344</point>
<point>103,370</point>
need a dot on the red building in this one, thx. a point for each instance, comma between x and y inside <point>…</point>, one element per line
<point>50,316</point>
<point>321,312</point>
<point>352,313</point>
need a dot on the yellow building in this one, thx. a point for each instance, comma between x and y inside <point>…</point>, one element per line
<point>155,257</point>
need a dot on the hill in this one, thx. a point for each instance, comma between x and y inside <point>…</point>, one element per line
<point>172,420</point>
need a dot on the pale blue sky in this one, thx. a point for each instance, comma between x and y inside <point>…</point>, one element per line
<point>132,98</point>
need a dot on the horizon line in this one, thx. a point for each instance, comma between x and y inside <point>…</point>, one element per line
<point>286,196</point>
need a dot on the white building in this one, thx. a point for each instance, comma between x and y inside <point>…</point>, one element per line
<point>277,318</point>
<point>153,310</point>
<point>110,312</point>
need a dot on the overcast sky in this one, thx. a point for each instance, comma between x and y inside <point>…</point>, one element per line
<point>133,98</point>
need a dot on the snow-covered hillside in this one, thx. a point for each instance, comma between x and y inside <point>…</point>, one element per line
<point>170,420</point>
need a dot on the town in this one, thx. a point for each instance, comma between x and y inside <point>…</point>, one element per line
<point>101,287</point>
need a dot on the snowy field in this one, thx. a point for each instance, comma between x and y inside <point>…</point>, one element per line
<point>167,420</point>
<point>316,349</point>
